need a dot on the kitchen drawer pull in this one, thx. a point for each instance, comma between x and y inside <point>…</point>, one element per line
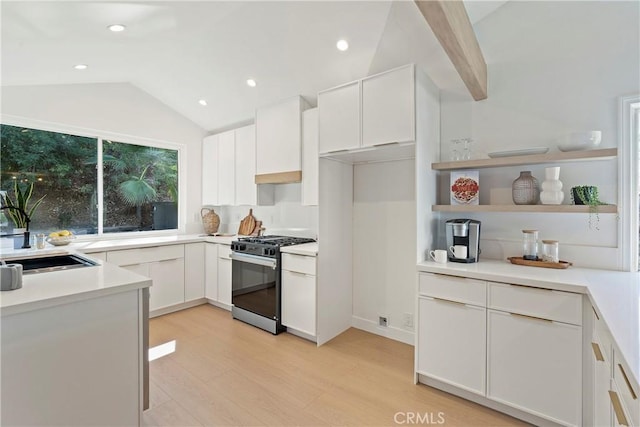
<point>531,287</point>
<point>617,408</point>
<point>626,380</point>
<point>297,273</point>
<point>449,301</point>
<point>597,352</point>
<point>531,317</point>
<point>595,312</point>
<point>385,143</point>
<point>342,150</point>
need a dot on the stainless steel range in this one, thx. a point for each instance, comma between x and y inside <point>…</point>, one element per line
<point>255,280</point>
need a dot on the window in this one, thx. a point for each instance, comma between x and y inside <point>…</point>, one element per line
<point>136,191</point>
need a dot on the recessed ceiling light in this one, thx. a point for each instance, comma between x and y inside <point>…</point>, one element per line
<point>251,83</point>
<point>342,45</point>
<point>203,102</point>
<point>81,67</point>
<point>116,28</point>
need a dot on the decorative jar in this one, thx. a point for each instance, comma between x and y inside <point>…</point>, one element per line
<point>524,189</point>
<point>530,244</point>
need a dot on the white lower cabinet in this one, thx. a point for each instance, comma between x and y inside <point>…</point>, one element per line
<point>224,275</point>
<point>211,271</point>
<point>168,283</point>
<point>452,344</point>
<point>299,301</point>
<point>163,264</point>
<point>194,281</point>
<point>535,365</point>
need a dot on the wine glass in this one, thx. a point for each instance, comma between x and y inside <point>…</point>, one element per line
<point>466,148</point>
<point>455,153</point>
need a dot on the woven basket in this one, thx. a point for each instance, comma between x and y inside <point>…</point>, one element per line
<point>210,220</point>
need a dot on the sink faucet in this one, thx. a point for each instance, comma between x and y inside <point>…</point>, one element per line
<point>25,242</point>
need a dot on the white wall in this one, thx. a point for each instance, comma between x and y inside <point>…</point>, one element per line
<point>119,108</point>
<point>553,68</point>
<point>384,242</point>
<point>287,215</point>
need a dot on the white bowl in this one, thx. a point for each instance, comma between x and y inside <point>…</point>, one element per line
<point>580,141</point>
<point>60,241</point>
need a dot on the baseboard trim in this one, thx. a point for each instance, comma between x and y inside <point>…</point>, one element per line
<point>218,304</point>
<point>177,307</point>
<point>391,332</point>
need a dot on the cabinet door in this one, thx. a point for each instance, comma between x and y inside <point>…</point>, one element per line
<point>246,188</point>
<point>211,271</point>
<point>299,301</point>
<point>168,283</point>
<point>452,343</point>
<point>210,170</point>
<point>226,168</point>
<point>194,271</point>
<point>310,157</point>
<point>278,137</point>
<point>339,118</point>
<point>601,384</point>
<point>535,365</point>
<point>388,107</point>
<point>224,275</point>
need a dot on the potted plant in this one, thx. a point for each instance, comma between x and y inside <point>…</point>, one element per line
<point>18,209</point>
<point>587,195</point>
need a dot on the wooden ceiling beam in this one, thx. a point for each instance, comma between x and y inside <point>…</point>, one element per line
<point>450,23</point>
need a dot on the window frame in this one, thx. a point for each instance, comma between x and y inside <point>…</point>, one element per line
<point>101,135</point>
<point>628,170</point>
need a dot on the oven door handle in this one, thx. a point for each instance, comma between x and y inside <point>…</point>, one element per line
<point>253,259</point>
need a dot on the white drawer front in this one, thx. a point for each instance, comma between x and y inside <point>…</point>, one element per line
<point>628,390</point>
<point>224,251</point>
<point>299,263</point>
<point>142,255</point>
<point>543,303</point>
<point>468,291</point>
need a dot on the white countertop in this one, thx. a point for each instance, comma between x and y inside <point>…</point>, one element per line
<point>43,290</point>
<point>308,249</point>
<point>614,294</point>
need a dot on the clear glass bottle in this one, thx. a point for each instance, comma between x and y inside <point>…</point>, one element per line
<point>550,251</point>
<point>530,244</point>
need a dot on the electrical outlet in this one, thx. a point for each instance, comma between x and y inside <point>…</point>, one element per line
<point>383,321</point>
<point>407,320</point>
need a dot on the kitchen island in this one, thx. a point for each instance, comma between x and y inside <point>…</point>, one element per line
<point>73,348</point>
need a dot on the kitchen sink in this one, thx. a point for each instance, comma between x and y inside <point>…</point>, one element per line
<point>52,263</point>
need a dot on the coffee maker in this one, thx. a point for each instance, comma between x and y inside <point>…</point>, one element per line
<point>465,232</point>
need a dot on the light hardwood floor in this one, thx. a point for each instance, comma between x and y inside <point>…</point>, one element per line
<point>225,372</point>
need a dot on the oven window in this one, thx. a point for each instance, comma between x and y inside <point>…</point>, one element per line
<point>254,288</point>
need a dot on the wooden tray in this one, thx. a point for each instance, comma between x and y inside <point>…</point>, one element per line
<point>521,261</point>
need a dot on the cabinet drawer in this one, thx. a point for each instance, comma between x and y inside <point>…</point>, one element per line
<point>543,303</point>
<point>468,291</point>
<point>224,251</point>
<point>627,389</point>
<point>139,256</point>
<point>299,263</point>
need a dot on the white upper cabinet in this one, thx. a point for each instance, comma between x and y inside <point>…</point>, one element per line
<point>339,118</point>
<point>210,170</point>
<point>376,110</point>
<point>279,140</point>
<point>388,107</point>
<point>310,157</point>
<point>226,168</point>
<point>246,191</point>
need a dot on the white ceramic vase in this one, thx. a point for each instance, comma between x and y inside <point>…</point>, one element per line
<point>552,187</point>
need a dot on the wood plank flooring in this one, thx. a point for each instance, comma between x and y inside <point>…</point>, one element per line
<point>227,373</point>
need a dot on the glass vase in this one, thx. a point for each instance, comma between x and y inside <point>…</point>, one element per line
<point>525,190</point>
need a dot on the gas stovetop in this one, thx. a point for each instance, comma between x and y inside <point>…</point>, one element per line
<point>266,245</point>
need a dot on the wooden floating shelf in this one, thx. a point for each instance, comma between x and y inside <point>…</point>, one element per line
<point>602,209</point>
<point>571,156</point>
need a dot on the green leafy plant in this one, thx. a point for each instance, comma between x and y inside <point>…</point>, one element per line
<point>21,201</point>
<point>588,195</point>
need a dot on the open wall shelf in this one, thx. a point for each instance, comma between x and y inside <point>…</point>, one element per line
<point>603,209</point>
<point>572,156</point>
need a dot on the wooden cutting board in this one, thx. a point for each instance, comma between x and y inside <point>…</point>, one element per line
<point>247,225</point>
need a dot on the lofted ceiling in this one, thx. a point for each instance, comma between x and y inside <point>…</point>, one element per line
<point>181,51</point>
